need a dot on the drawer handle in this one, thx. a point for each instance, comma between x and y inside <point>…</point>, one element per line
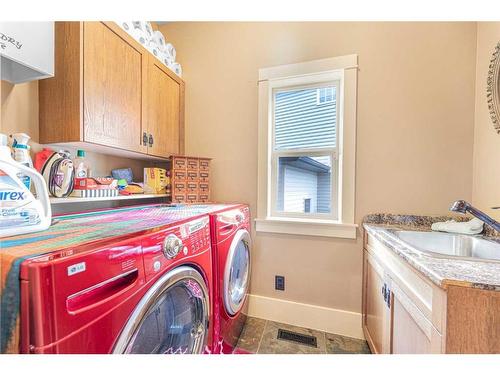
<point>100,293</point>
<point>227,228</point>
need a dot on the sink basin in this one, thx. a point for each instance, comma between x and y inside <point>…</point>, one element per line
<point>450,245</point>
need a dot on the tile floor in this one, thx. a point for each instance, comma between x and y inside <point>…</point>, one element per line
<point>260,336</point>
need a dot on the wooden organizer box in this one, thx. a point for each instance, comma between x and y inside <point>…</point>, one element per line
<point>190,179</point>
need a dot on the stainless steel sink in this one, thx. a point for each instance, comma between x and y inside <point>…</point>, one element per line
<point>450,245</point>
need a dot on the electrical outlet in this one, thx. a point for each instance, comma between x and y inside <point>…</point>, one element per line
<point>279,282</point>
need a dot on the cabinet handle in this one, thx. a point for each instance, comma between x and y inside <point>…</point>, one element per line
<point>144,139</point>
<point>386,292</point>
<point>150,140</point>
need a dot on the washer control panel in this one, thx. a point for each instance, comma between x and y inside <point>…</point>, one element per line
<point>169,247</point>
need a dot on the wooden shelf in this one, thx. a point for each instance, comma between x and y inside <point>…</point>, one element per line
<point>100,199</point>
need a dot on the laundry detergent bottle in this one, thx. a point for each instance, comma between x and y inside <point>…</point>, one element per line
<point>20,211</point>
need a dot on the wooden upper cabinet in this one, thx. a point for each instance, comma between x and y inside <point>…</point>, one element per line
<point>108,90</point>
<point>112,89</point>
<point>163,114</point>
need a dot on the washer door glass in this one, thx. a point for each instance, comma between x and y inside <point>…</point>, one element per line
<point>237,272</point>
<point>175,322</point>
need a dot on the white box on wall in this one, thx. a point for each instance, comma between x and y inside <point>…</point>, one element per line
<point>26,51</point>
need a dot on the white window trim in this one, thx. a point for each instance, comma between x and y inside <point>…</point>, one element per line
<point>342,68</point>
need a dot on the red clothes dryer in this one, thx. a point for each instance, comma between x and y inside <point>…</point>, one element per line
<point>142,294</point>
<point>231,244</point>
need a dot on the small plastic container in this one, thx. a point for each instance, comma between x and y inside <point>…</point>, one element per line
<point>82,169</point>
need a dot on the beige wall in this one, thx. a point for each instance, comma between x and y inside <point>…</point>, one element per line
<point>486,181</point>
<point>19,113</point>
<point>19,108</point>
<point>414,141</point>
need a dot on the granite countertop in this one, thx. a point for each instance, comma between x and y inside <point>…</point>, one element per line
<point>441,271</point>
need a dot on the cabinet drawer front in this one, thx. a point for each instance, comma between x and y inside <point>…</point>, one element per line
<point>192,176</point>
<point>192,198</point>
<point>179,198</point>
<point>204,187</point>
<point>179,175</point>
<point>204,164</point>
<point>180,187</point>
<point>192,187</point>
<point>179,163</point>
<point>204,198</point>
<point>204,176</point>
<point>429,299</point>
<point>192,164</point>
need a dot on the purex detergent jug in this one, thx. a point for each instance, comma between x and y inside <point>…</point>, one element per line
<point>20,211</point>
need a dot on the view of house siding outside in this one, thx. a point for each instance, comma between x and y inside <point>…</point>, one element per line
<point>305,118</point>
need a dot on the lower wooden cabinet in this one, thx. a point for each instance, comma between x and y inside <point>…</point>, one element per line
<point>405,313</point>
<point>392,322</point>
<point>411,332</point>
<point>376,316</point>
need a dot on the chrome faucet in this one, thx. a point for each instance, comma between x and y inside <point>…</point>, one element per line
<point>463,207</point>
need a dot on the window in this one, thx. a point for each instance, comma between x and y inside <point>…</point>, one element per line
<point>325,95</point>
<point>304,154</point>
<point>307,120</point>
<point>307,205</point>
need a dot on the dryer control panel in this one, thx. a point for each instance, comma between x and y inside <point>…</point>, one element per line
<point>228,222</point>
<point>176,245</point>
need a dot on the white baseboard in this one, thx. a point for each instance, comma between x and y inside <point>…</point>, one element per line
<point>321,318</point>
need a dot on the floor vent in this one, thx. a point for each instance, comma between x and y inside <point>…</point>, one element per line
<point>297,337</point>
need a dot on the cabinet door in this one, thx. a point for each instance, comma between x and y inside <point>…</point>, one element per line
<point>112,89</point>
<point>163,110</point>
<point>376,313</point>
<point>411,331</point>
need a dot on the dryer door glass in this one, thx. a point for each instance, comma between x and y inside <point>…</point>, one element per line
<point>174,321</point>
<point>237,272</point>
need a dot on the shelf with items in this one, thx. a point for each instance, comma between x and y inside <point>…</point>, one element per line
<point>100,199</point>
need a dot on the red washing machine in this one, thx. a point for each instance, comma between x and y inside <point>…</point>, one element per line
<point>146,294</point>
<point>231,244</point>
